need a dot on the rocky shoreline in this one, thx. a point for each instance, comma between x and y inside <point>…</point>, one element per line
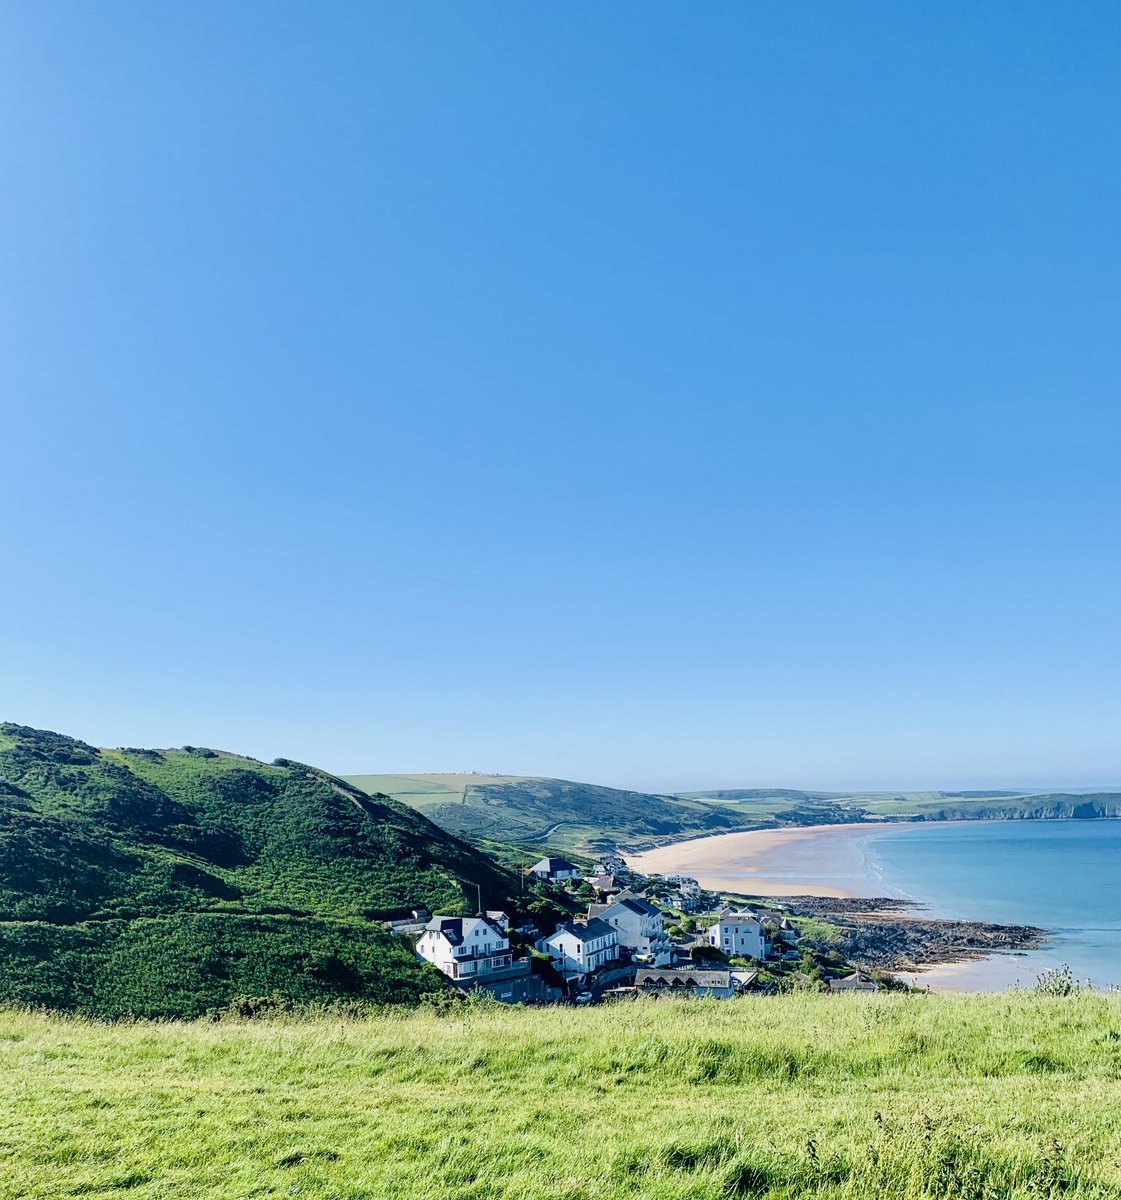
<point>892,935</point>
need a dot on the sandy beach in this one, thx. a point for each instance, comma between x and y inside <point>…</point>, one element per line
<point>834,862</point>
<point>816,860</point>
<point>991,974</point>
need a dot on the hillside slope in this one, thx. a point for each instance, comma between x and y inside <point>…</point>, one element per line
<point>585,818</point>
<point>168,882</point>
<point>578,817</point>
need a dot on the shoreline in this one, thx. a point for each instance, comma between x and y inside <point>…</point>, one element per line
<point>747,862</point>
<point>826,871</point>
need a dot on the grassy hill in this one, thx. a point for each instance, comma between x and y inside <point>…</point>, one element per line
<point>166,882</point>
<point>1005,1097</point>
<point>581,818</point>
<point>577,817</point>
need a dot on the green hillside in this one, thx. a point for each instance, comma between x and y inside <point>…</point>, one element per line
<point>167,882</point>
<point>881,1097</point>
<point>581,818</point>
<point>577,817</point>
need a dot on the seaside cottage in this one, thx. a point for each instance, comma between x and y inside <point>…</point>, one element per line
<point>779,928</point>
<point>856,982</point>
<point>465,947</point>
<point>739,934</point>
<point>718,983</point>
<point>554,870</point>
<point>639,925</point>
<point>605,885</point>
<point>580,947</point>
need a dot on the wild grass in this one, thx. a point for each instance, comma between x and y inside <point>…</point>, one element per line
<point>979,1097</point>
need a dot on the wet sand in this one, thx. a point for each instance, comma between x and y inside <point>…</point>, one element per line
<point>992,974</point>
<point>815,860</point>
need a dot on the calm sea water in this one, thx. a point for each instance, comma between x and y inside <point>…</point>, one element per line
<point>1063,875</point>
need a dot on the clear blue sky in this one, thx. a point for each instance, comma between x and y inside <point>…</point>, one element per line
<point>665,395</point>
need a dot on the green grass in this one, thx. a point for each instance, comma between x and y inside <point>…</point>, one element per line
<point>970,1098</point>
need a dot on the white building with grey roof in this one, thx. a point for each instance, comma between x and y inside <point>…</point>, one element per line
<point>580,947</point>
<point>640,926</point>
<point>555,870</point>
<point>466,948</point>
<point>739,935</point>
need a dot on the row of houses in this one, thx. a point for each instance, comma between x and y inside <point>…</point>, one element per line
<point>623,931</point>
<point>622,939</point>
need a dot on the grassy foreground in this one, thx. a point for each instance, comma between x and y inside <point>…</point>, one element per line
<point>802,1095</point>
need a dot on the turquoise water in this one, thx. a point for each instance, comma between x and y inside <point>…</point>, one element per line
<point>1063,875</point>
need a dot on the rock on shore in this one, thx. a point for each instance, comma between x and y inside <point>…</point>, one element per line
<point>889,934</point>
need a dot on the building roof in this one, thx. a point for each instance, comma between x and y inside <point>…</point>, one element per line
<point>744,917</point>
<point>855,980</point>
<point>684,978</point>
<point>455,929</point>
<point>554,864</point>
<point>637,904</point>
<point>587,931</point>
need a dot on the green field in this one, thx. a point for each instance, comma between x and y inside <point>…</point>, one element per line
<point>583,818</point>
<point>968,1097</point>
<point>577,818</point>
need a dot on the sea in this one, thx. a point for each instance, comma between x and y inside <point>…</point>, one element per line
<point>1062,875</point>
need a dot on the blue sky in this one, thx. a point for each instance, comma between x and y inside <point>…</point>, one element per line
<point>663,395</point>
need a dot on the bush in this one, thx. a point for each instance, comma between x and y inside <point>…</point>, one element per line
<point>1059,981</point>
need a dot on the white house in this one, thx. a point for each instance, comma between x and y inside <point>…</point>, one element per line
<point>465,947</point>
<point>556,870</point>
<point>579,947</point>
<point>738,934</point>
<point>640,927</point>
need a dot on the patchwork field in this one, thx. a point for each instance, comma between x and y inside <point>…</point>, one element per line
<point>1014,1095</point>
<point>585,818</point>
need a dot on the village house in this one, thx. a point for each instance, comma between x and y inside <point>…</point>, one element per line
<point>604,885</point>
<point>739,935</point>
<point>717,982</point>
<point>856,982</point>
<point>780,929</point>
<point>465,947</point>
<point>610,864</point>
<point>580,947</point>
<point>555,870</point>
<point>639,925</point>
